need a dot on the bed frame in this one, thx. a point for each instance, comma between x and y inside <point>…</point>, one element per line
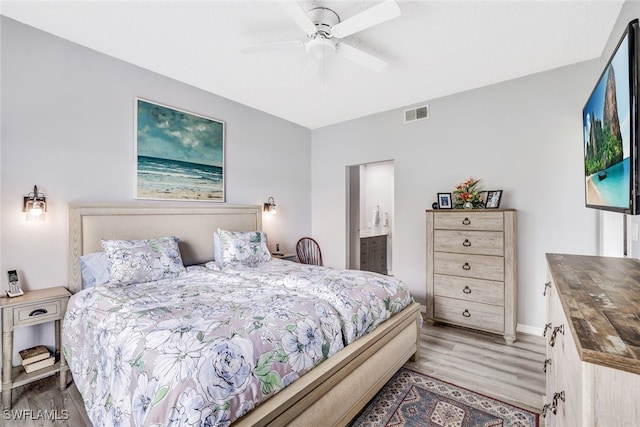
<point>331,394</point>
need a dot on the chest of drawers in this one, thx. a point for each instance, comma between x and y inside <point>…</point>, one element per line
<point>471,269</point>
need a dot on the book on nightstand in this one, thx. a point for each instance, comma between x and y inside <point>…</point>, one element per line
<point>33,354</point>
<point>39,364</point>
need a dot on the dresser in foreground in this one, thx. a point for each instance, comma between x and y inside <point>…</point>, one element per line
<point>593,341</point>
<point>471,269</point>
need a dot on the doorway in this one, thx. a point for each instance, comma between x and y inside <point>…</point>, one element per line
<point>370,212</point>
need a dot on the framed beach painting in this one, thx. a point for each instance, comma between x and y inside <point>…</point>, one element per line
<point>179,155</point>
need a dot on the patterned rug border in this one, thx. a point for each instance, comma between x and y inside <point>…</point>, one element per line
<point>475,392</point>
<point>451,384</point>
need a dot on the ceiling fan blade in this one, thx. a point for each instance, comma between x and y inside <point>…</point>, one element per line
<point>375,15</point>
<point>361,58</point>
<point>299,16</point>
<point>271,46</point>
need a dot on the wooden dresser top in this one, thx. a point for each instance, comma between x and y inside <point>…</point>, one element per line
<point>601,299</point>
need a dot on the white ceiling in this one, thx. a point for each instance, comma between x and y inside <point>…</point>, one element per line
<point>434,49</point>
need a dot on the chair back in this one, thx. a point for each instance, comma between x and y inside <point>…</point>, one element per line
<point>308,251</point>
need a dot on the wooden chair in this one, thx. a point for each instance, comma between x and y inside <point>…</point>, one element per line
<point>308,251</point>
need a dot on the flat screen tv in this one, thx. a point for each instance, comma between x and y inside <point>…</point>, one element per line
<point>610,125</point>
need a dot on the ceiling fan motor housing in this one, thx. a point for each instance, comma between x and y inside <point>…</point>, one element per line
<point>321,46</point>
<point>323,18</point>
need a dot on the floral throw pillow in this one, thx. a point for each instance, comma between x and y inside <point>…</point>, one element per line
<point>135,261</point>
<point>245,247</point>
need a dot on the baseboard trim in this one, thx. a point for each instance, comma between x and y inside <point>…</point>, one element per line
<point>527,329</point>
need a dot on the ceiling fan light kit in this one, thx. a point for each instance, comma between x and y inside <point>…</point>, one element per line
<point>322,25</point>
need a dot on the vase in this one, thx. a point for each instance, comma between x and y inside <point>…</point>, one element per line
<point>375,221</point>
<point>467,205</point>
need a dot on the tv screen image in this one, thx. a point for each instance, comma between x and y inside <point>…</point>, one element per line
<point>609,132</point>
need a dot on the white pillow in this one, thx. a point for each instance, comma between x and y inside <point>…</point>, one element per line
<point>135,261</point>
<point>244,247</point>
<point>217,250</point>
<point>95,269</point>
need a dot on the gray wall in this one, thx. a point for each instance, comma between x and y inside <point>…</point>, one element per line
<point>67,126</point>
<point>522,136</point>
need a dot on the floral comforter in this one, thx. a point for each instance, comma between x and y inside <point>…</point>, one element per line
<point>200,349</point>
<point>362,298</point>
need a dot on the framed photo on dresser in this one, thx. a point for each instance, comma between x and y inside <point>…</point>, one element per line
<point>444,201</point>
<point>493,199</point>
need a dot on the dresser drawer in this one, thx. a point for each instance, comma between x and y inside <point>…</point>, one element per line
<point>484,221</point>
<point>469,242</point>
<point>37,312</point>
<point>465,313</point>
<point>467,289</point>
<point>476,266</point>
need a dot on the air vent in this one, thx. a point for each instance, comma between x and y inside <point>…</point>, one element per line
<point>418,113</point>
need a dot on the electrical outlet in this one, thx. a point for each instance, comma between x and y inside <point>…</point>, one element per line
<point>634,232</point>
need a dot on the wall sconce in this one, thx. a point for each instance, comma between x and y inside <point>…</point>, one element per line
<point>270,206</point>
<point>35,205</point>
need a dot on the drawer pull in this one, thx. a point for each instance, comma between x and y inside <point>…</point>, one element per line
<point>466,221</point>
<point>466,313</point>
<point>546,327</point>
<point>556,397</point>
<point>38,312</point>
<point>466,243</point>
<point>466,266</point>
<point>466,290</point>
<point>553,405</point>
<point>552,340</point>
<point>546,285</point>
<point>547,362</point>
<point>545,409</point>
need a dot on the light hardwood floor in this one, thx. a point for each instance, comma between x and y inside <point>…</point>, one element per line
<point>476,361</point>
<point>484,363</point>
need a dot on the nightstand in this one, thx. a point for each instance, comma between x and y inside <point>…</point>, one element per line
<point>288,257</point>
<point>33,308</point>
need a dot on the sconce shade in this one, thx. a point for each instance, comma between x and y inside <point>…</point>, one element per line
<point>270,206</point>
<point>34,204</point>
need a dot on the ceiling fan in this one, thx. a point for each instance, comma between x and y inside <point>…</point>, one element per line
<point>324,29</point>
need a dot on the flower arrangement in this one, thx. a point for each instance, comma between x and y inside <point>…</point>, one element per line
<point>468,195</point>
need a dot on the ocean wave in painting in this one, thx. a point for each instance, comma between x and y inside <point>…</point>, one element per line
<point>174,179</point>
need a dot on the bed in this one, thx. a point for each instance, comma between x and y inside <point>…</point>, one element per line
<point>328,386</point>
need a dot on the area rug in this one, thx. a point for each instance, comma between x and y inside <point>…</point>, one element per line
<point>414,399</point>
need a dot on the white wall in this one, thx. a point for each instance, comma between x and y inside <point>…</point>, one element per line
<point>378,191</point>
<point>67,126</point>
<point>378,183</point>
<point>522,136</point>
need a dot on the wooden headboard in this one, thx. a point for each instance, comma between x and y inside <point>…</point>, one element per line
<point>192,224</point>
